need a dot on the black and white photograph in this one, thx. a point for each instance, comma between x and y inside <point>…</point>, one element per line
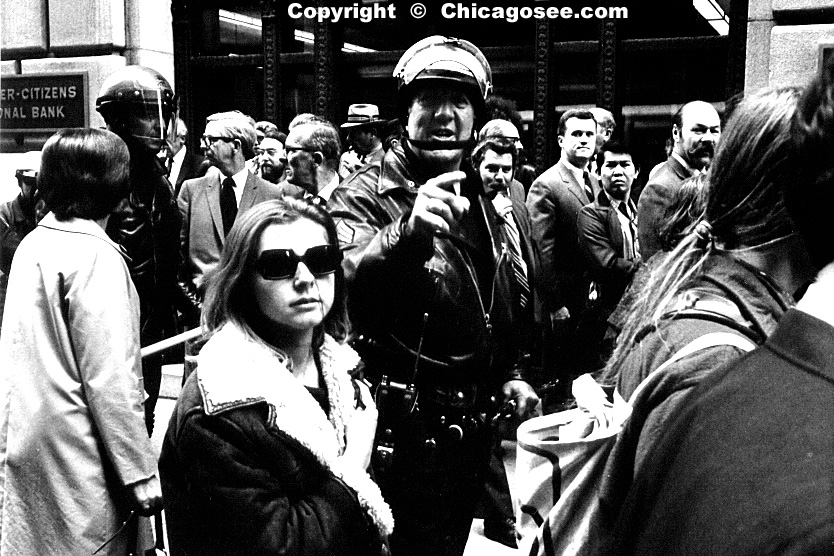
<point>395,278</point>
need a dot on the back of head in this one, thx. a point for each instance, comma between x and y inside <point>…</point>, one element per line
<point>304,118</point>
<point>84,173</point>
<point>685,209</point>
<point>604,118</point>
<point>238,126</point>
<point>811,195</point>
<point>324,137</point>
<point>744,205</point>
<point>753,163</point>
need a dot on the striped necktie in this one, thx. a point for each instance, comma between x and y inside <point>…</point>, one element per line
<point>589,190</point>
<point>505,210</point>
<point>632,249</point>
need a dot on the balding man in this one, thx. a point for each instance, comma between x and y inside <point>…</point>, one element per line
<point>605,129</point>
<point>696,128</point>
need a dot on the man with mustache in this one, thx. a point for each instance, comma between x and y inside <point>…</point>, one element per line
<point>696,128</point>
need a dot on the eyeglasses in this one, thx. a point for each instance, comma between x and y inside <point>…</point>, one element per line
<point>275,264</point>
<point>208,140</point>
<point>288,149</point>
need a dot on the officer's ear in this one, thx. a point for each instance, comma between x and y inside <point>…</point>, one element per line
<point>318,158</point>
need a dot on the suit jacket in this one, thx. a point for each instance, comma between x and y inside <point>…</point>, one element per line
<point>201,235</point>
<point>601,242</point>
<point>193,166</point>
<point>554,202</point>
<point>654,201</point>
<point>531,254</point>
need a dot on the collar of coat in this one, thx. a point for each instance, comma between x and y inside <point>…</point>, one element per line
<point>235,371</point>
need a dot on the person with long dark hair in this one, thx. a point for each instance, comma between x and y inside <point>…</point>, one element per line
<point>745,468</point>
<point>735,271</point>
<point>268,447</point>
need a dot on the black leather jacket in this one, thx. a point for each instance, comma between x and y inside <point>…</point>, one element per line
<point>450,297</point>
<point>147,227</point>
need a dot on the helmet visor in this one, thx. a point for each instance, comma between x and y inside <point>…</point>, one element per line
<point>152,123</point>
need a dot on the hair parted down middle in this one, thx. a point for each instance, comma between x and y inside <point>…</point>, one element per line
<point>229,296</point>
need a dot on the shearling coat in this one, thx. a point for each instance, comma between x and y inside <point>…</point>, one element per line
<point>251,464</point>
<point>72,426</point>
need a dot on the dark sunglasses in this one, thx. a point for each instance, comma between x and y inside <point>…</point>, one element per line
<point>275,264</point>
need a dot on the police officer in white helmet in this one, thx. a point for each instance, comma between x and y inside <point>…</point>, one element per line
<point>434,300</point>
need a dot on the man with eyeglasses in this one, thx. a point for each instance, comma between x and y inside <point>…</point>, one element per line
<point>210,205</point>
<point>313,151</point>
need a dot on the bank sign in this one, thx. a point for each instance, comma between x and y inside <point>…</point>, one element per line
<point>43,102</point>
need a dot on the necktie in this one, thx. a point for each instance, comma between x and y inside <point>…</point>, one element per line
<point>589,190</point>
<point>228,204</point>
<point>514,249</point>
<point>632,249</point>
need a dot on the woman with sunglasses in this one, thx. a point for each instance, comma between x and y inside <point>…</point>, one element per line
<point>267,449</point>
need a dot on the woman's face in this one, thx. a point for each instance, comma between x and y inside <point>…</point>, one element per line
<point>300,301</point>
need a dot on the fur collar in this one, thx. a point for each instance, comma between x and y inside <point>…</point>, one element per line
<point>235,371</point>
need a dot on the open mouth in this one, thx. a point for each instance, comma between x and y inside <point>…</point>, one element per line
<point>443,134</point>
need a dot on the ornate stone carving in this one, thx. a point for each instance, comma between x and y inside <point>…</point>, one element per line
<point>544,89</point>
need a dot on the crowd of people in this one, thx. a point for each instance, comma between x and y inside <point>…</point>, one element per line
<point>369,314</point>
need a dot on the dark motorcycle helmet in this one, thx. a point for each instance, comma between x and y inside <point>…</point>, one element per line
<point>139,105</point>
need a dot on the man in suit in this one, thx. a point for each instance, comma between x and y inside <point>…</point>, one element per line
<point>608,238</point>
<point>313,151</point>
<point>496,158</point>
<point>209,205</point>
<point>696,128</point>
<point>364,138</point>
<point>554,202</point>
<point>605,129</point>
<point>184,164</point>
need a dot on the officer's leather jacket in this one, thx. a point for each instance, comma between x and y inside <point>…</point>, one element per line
<point>146,226</point>
<point>450,297</point>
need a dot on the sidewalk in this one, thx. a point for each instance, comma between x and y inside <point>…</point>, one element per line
<point>478,544</point>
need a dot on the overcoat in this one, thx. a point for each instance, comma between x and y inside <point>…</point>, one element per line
<point>72,426</point>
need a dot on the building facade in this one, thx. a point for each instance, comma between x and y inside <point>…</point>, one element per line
<point>272,60</point>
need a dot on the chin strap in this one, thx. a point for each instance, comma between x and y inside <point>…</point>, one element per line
<point>436,145</point>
